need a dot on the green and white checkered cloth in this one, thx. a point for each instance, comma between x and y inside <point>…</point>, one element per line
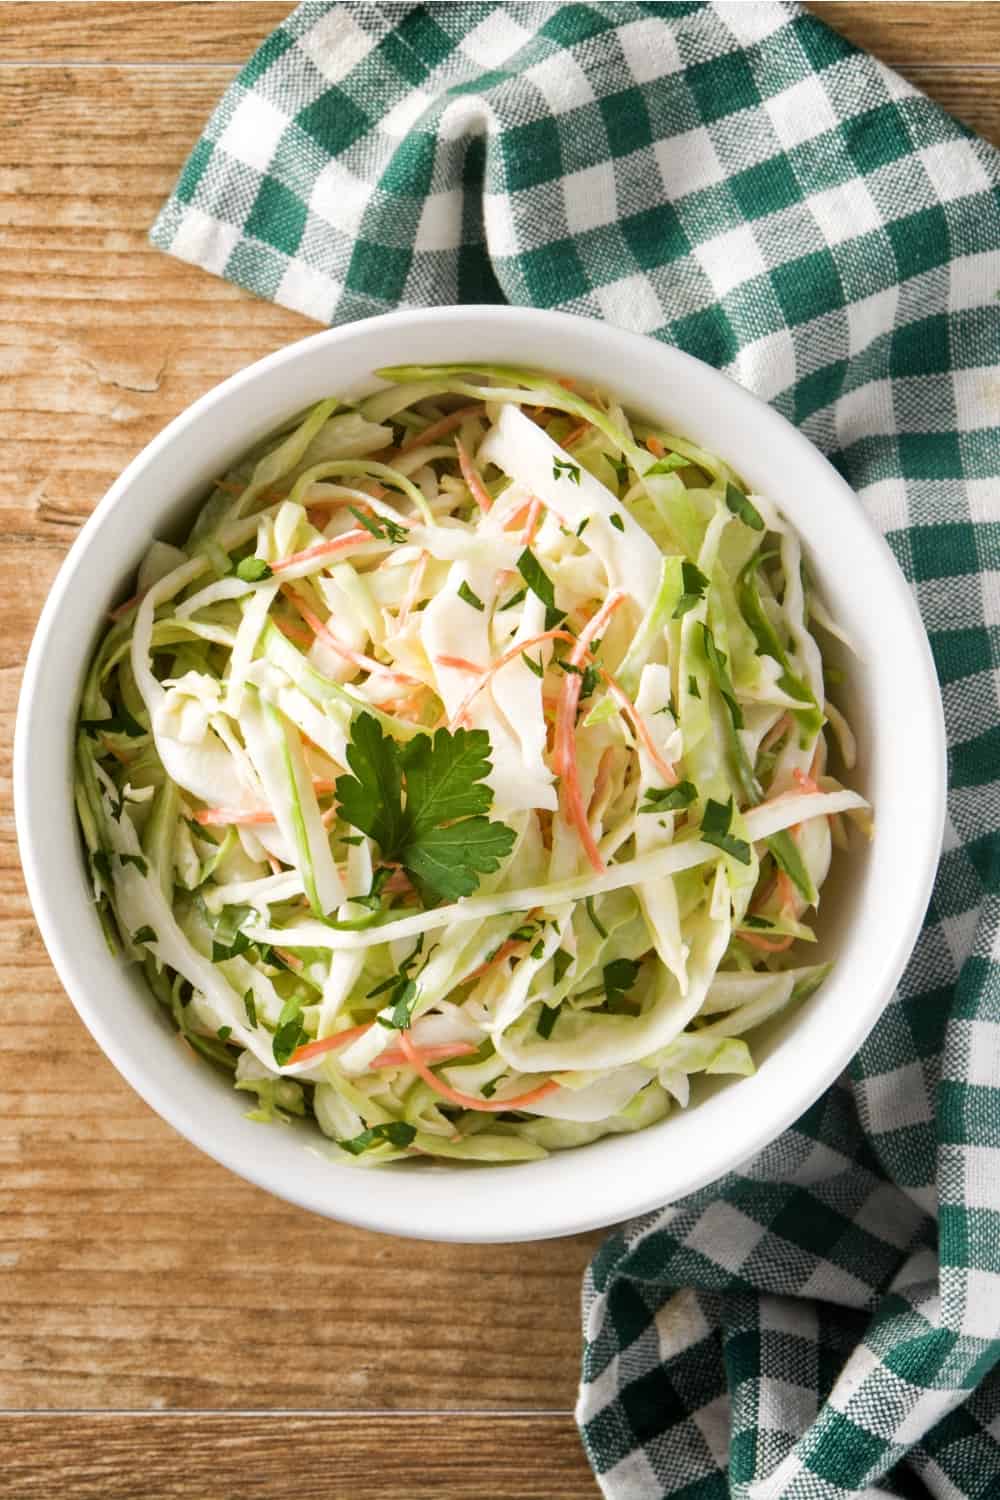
<point>737,180</point>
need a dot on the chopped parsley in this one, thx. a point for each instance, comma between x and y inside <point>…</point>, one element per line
<point>136,860</point>
<point>250,1006</point>
<point>715,824</point>
<point>395,1132</point>
<point>144,935</point>
<point>468,597</point>
<point>289,1032</point>
<point>224,1033</point>
<point>533,666</point>
<point>744,508</point>
<point>583,526</point>
<point>620,467</point>
<point>616,521</point>
<point>548,1015</point>
<point>694,583</point>
<point>517,598</point>
<point>564,466</point>
<point>541,585</point>
<point>121,722</point>
<point>381,529</point>
<point>619,977</point>
<point>228,938</point>
<point>753,921</point>
<point>694,690</point>
<point>669,798</point>
<point>602,931</point>
<point>561,961</point>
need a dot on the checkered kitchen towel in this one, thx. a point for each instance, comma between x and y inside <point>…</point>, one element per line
<point>735,179</point>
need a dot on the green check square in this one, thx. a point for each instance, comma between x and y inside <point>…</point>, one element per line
<point>267,54</point>
<point>655,236</point>
<point>765,188</point>
<point>976,762</point>
<point>652,1405</point>
<point>194,170</point>
<point>575,23</point>
<point>844,1453</point>
<point>626,121</point>
<point>378,271</point>
<point>943,551</point>
<point>876,138</point>
<point>530,154</point>
<point>708,335</point>
<point>411,166</point>
<point>819,389</point>
<point>277,217</point>
<point>554,273</point>
<point>821,44</point>
<point>722,86</point>
<point>334,121</point>
<point>808,287</point>
<point>930,455</point>
<point>920,241</point>
<point>920,348</point>
<point>417,46</point>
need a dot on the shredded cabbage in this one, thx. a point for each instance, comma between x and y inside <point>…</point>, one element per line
<point>462,783</point>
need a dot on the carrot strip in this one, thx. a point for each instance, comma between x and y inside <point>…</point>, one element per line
<point>300,637</point>
<point>766,945</point>
<point>506,950</point>
<point>469,1101</point>
<point>121,610</point>
<point>654,445</point>
<point>775,733</point>
<point>477,489</point>
<point>329,1043</point>
<point>565,732</point>
<point>343,543</point>
<point>575,435</point>
<point>412,589</point>
<point>325,634</point>
<point>441,428</point>
<point>501,661</point>
<point>806,783</point>
<point>532,522</point>
<point>395,1057</point>
<point>458,663</point>
<point>222,817</point>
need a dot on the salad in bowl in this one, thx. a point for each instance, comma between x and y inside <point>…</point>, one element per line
<point>468,778</point>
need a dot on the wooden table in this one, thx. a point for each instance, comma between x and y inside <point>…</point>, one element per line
<point>197,1338</point>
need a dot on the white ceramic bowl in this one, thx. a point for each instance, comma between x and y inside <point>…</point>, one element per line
<point>872,905</point>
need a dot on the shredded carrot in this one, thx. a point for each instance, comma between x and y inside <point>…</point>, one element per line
<point>291,959</point>
<point>506,950</point>
<point>469,1101</point>
<point>222,817</point>
<point>119,755</point>
<point>324,633</point>
<point>412,589</point>
<point>786,891</point>
<point>329,1043</point>
<point>654,445</point>
<point>442,428</point>
<point>121,610</point>
<point>344,543</point>
<point>457,663</point>
<point>766,945</point>
<point>601,779</point>
<point>775,733</point>
<point>274,862</point>
<point>575,435</point>
<point>501,661</point>
<point>470,474</point>
<point>395,1057</point>
<point>516,520</point>
<point>300,637</point>
<point>533,519</point>
<point>806,783</point>
<point>565,731</point>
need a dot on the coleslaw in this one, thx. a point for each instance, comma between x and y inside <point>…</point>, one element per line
<point>462,782</point>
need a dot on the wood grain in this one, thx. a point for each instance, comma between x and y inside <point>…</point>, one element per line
<point>963,32</point>
<point>314,1458</point>
<point>134,1273</point>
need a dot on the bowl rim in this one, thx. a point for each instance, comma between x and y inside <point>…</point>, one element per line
<point>368,1211</point>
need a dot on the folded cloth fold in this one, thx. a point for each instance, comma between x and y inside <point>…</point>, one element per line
<point>738,180</point>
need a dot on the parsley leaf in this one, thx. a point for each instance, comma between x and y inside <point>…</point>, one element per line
<point>589,675</point>
<point>715,825</point>
<point>753,921</point>
<point>396,1132</point>
<point>561,961</point>
<point>548,1015</point>
<point>694,585</point>
<point>228,939</point>
<point>669,798</point>
<point>583,526</point>
<point>533,666</point>
<point>561,466</point>
<point>619,977</point>
<point>744,508</point>
<point>693,689</point>
<point>616,521</point>
<point>540,584</point>
<point>289,1031</point>
<point>440,834</point>
<point>719,665</point>
<point>514,599</point>
<point>620,467</point>
<point>468,597</point>
<point>135,859</point>
<point>250,1006</point>
<point>224,1033</point>
<point>381,529</point>
<point>601,930</point>
<point>253,570</point>
<point>144,935</point>
<point>787,857</point>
